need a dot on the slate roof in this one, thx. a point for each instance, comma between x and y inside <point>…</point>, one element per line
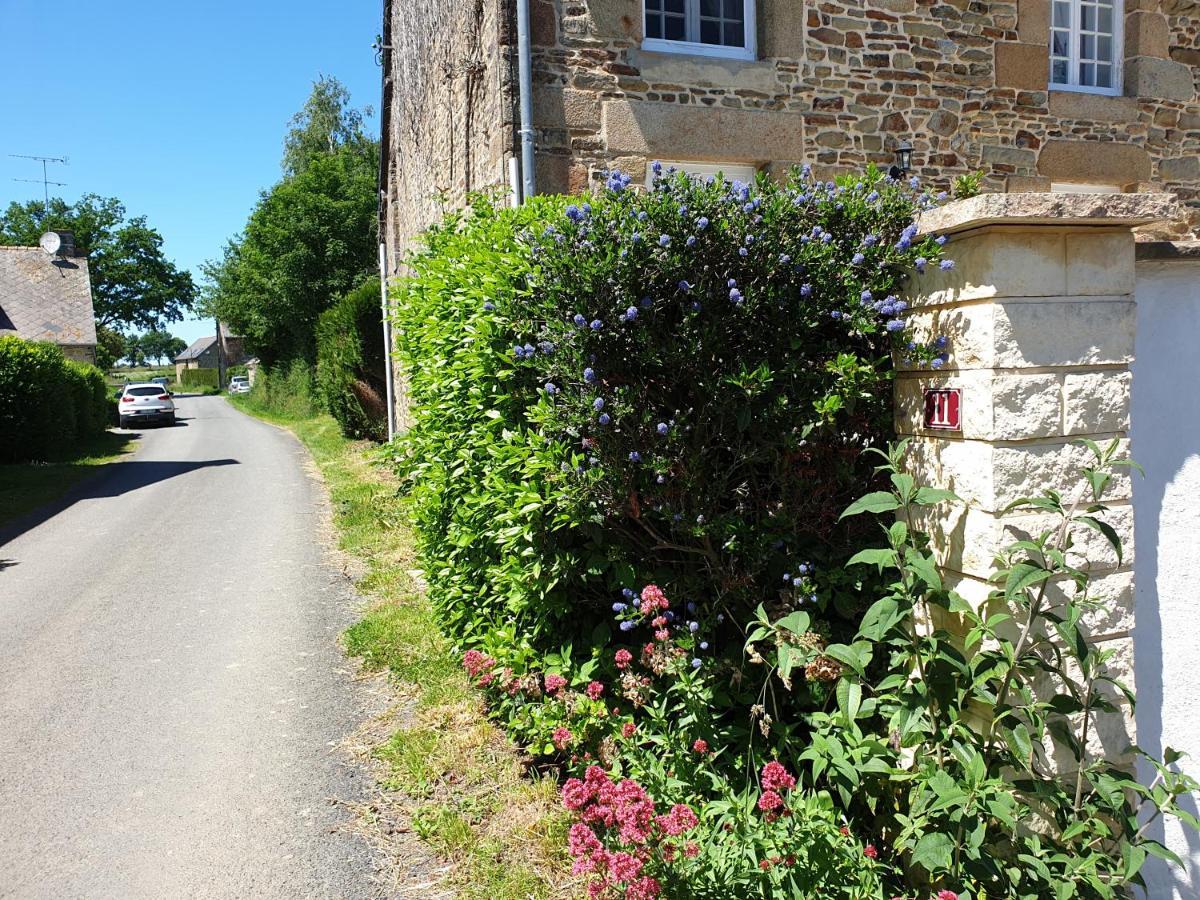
<point>198,348</point>
<point>46,298</point>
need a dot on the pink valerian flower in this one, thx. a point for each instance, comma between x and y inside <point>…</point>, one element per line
<point>645,888</point>
<point>700,745</point>
<point>561,738</point>
<point>628,729</point>
<point>870,852</point>
<point>475,662</point>
<point>775,776</point>
<point>576,794</point>
<point>658,621</point>
<point>594,690</point>
<point>623,658</point>
<point>662,635</point>
<point>678,820</point>
<point>555,683</point>
<point>769,800</point>
<point>947,895</point>
<point>486,678</point>
<point>691,849</point>
<point>653,599</point>
<point>624,867</point>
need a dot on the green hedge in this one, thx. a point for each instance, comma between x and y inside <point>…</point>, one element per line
<point>286,392</point>
<point>350,371</point>
<point>47,402</point>
<point>199,378</point>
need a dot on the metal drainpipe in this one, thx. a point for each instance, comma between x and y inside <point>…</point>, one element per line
<point>525,88</point>
<point>387,341</point>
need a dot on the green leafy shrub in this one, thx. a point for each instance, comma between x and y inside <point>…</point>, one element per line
<point>285,391</point>
<point>47,403</point>
<point>198,378</point>
<point>350,369</point>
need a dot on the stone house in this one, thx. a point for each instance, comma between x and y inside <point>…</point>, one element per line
<point>208,353</point>
<point>1037,95</point>
<point>48,298</point>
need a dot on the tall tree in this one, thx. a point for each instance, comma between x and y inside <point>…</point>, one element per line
<point>310,239</point>
<point>134,285</point>
<point>159,345</point>
<point>326,124</point>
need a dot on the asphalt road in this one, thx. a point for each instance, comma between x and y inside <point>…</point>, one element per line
<point>171,691</point>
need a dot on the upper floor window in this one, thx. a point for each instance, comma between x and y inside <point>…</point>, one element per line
<point>705,27</point>
<point>1085,46</point>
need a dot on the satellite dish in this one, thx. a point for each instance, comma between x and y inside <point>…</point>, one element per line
<point>50,242</point>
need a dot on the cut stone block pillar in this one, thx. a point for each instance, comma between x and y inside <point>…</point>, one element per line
<point>1039,315</point>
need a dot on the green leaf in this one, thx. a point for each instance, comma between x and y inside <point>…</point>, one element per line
<point>796,622</point>
<point>924,568</point>
<point>879,619</point>
<point>903,484</point>
<point>881,557</point>
<point>1110,533</point>
<point>849,697</point>
<point>928,496</point>
<point>876,502</point>
<point>934,853</point>
<point>1021,576</point>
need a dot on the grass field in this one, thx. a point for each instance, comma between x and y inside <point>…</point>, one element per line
<point>26,486</point>
<point>459,777</point>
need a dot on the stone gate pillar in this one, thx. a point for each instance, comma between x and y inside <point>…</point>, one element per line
<point>1039,315</point>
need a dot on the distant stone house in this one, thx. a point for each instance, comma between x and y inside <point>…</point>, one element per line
<point>48,298</point>
<point>206,353</point>
<point>1039,95</point>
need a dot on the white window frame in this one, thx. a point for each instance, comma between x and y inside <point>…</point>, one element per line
<point>744,172</point>
<point>1118,50</point>
<point>695,47</point>
<point>1081,187</point>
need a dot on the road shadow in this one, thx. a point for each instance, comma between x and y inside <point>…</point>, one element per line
<point>113,480</point>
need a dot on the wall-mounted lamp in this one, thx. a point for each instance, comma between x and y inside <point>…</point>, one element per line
<point>903,161</point>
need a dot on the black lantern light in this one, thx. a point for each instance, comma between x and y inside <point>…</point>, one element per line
<point>903,161</point>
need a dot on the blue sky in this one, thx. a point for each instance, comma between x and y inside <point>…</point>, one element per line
<point>177,108</point>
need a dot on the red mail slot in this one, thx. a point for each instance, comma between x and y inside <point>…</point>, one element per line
<point>943,408</point>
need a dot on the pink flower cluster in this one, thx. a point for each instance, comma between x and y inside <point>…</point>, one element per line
<point>555,683</point>
<point>626,812</point>
<point>561,738</point>
<point>475,663</point>
<point>775,778</point>
<point>653,599</point>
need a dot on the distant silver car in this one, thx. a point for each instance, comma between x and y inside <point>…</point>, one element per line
<point>146,401</point>
<point>239,384</point>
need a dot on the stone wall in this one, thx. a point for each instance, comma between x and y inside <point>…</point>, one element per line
<point>840,84</point>
<point>1040,316</point>
<point>450,76</point>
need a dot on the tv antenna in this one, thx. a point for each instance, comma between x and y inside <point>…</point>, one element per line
<point>46,182</point>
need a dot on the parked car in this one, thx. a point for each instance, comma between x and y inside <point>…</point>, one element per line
<point>161,379</point>
<point>239,384</point>
<point>148,400</point>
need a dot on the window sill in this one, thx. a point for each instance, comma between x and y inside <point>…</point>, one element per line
<point>1083,89</point>
<point>689,48</point>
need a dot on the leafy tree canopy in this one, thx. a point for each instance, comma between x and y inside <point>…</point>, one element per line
<point>133,284</point>
<point>326,124</point>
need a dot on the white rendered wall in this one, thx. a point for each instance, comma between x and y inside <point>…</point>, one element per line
<point>1165,425</point>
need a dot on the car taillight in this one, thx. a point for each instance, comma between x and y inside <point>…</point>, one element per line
<point>163,397</point>
<point>127,399</point>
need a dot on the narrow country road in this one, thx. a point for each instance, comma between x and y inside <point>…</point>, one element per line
<point>171,690</point>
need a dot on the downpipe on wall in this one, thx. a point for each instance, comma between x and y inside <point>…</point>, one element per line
<point>525,88</point>
<point>387,341</point>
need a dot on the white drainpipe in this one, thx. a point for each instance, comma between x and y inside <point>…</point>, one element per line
<point>387,340</point>
<point>525,88</point>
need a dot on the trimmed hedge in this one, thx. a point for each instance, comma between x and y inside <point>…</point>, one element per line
<point>350,372</point>
<point>47,402</point>
<point>200,378</point>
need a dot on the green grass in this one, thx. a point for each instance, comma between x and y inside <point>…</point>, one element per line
<point>26,486</point>
<point>459,776</point>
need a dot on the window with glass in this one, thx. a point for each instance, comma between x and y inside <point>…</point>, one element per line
<point>707,27</point>
<point>1085,45</point>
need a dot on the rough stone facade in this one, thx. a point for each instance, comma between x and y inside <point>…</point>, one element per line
<point>836,84</point>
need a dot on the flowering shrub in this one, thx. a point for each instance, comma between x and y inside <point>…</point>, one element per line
<point>639,428</point>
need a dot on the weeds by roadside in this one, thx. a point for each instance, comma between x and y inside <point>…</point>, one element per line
<point>460,780</point>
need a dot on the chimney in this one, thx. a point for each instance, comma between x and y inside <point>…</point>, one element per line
<point>68,243</point>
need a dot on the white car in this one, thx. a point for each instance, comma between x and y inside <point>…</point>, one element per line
<point>145,401</point>
<point>239,384</point>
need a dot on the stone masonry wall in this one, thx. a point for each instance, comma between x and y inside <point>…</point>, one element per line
<point>450,84</point>
<point>840,84</point>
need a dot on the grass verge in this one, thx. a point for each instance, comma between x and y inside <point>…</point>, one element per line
<point>460,779</point>
<point>26,486</point>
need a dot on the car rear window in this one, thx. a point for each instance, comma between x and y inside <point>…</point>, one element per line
<point>144,391</point>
